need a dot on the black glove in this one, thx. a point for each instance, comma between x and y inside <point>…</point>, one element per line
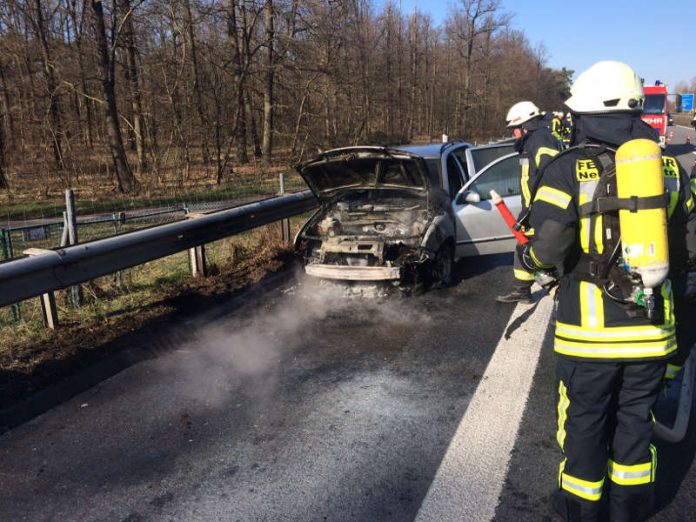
<point>544,277</point>
<point>525,258</point>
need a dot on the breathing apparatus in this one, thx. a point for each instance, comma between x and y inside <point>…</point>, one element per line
<point>638,261</point>
<point>643,226</point>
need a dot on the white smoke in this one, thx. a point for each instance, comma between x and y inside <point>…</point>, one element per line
<point>249,350</point>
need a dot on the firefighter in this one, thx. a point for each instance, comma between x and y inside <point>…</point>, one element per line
<point>567,129</point>
<point>611,347</point>
<point>557,126</point>
<point>683,297</point>
<point>536,146</point>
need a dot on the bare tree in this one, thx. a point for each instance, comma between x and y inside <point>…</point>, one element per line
<point>55,126</point>
<point>3,178</point>
<point>267,146</point>
<point>276,78</point>
<point>133,77</point>
<point>236,41</point>
<point>106,64</point>
<point>477,20</point>
<point>197,80</point>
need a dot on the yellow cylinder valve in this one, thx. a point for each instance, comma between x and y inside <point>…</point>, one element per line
<point>644,231</point>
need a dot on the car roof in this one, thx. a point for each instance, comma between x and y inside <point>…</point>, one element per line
<point>427,150</point>
<point>424,150</point>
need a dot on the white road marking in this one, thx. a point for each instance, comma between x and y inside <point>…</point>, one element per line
<point>470,478</point>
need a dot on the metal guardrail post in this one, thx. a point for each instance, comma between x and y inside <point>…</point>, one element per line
<point>197,261</point>
<point>199,268</point>
<point>49,311</point>
<point>64,238</point>
<point>6,247</point>
<point>117,220</point>
<point>284,223</point>
<point>71,214</point>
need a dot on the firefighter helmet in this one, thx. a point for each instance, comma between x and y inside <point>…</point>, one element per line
<point>606,86</point>
<point>522,112</point>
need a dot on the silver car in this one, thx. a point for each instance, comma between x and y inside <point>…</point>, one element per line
<point>404,214</point>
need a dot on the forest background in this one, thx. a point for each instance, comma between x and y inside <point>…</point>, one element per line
<point>138,97</point>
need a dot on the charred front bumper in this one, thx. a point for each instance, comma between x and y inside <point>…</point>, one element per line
<point>354,273</point>
<point>364,259</point>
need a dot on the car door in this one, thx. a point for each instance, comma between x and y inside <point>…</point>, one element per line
<point>479,227</point>
<point>454,173</point>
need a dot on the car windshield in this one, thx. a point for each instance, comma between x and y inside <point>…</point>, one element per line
<point>485,155</point>
<point>654,104</point>
<point>351,171</point>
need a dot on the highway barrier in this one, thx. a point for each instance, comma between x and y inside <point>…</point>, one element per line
<point>42,271</point>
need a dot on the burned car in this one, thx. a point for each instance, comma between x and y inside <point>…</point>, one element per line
<point>396,214</point>
<point>383,217</point>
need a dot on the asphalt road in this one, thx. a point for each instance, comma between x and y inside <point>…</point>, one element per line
<point>306,404</point>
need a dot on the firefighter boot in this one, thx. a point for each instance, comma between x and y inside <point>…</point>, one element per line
<point>572,510</point>
<point>521,294</point>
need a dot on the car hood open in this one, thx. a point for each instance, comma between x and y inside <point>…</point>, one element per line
<point>361,168</point>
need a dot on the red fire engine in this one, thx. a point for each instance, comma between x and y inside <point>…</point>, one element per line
<point>655,109</point>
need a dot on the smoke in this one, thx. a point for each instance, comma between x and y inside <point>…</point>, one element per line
<point>247,352</point>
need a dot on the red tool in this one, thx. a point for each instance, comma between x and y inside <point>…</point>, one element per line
<point>508,217</point>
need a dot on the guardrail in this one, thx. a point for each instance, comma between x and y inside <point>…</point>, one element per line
<point>43,271</point>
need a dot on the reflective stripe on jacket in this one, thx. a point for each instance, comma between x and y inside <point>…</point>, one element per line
<point>538,149</point>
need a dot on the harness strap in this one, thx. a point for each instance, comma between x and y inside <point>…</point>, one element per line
<point>602,205</point>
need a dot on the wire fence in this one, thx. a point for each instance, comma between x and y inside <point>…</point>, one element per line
<point>44,226</point>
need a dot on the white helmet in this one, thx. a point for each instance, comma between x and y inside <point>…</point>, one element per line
<point>606,87</point>
<point>521,112</point>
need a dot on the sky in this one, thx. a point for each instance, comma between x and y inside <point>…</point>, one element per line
<point>654,37</point>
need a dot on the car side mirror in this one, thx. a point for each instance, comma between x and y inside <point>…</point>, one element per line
<point>468,196</point>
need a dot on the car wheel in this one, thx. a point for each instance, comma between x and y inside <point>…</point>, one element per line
<point>443,266</point>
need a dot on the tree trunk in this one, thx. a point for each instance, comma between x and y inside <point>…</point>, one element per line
<point>7,120</point>
<point>239,120</point>
<point>197,84</point>
<point>56,127</point>
<point>177,107</point>
<point>133,76</point>
<point>267,147</point>
<point>3,178</point>
<point>252,122</point>
<point>89,136</point>
<point>106,66</point>
<point>414,73</point>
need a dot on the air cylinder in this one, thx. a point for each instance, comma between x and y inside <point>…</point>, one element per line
<point>643,231</point>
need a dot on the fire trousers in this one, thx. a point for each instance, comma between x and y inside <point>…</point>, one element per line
<point>605,425</point>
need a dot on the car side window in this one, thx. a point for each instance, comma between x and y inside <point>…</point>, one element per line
<point>482,156</point>
<point>454,176</point>
<point>503,177</point>
<point>461,156</point>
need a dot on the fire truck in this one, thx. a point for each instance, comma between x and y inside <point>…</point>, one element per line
<point>655,109</point>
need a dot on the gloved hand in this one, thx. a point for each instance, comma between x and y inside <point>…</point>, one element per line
<point>525,257</point>
<point>543,276</point>
<point>672,381</point>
